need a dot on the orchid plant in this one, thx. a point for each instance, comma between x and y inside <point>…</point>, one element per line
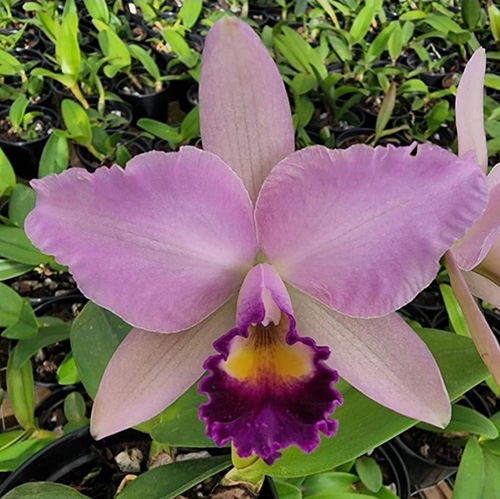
<point>321,248</point>
<point>473,264</point>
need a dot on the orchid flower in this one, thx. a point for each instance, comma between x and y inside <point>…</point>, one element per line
<point>320,244</point>
<point>474,262</point>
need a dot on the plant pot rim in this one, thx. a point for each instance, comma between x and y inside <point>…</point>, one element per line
<point>47,112</point>
<point>121,82</point>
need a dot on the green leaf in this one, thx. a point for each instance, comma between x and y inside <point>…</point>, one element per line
<point>178,425</point>
<point>287,490</point>
<point>10,305</point>
<point>362,22</point>
<point>386,109</point>
<point>26,326</point>
<point>67,46</point>
<point>491,475</point>
<point>443,24</point>
<point>461,368</point>
<point>9,269</point>
<point>55,155</point>
<point>17,111</point>
<point>190,126</point>
<point>466,420</point>
<point>113,48</point>
<point>342,49</point>
<point>331,481</point>
<point>77,121</point>
<point>437,116</point>
<point>160,130</point>
<point>13,456</point>
<point>146,60</point>
<point>413,85</point>
<point>190,11</point>
<point>492,81</point>
<point>22,201</point>
<point>171,480</point>
<point>43,490</point>
<point>98,9</point>
<point>454,311</point>
<point>98,331</point>
<point>380,42</point>
<point>470,477</point>
<point>395,44</point>
<point>413,15</point>
<point>74,407</point>
<point>67,373</point>
<point>21,393</point>
<point>66,80</point>
<point>15,246</point>
<point>49,335</point>
<point>302,83</point>
<point>494,15</point>
<point>369,473</point>
<point>7,175</point>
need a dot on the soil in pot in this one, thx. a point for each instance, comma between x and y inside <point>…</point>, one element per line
<point>25,154</point>
<point>146,102</point>
<point>323,117</point>
<point>28,40</point>
<point>45,284</point>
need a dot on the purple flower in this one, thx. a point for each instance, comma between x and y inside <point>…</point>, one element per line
<point>168,243</point>
<point>474,261</point>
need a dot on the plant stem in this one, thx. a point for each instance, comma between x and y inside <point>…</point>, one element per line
<point>75,90</point>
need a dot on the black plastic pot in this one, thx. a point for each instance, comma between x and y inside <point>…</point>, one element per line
<point>401,110</point>
<point>139,146</point>
<point>115,106</point>
<point>24,56</point>
<point>423,472</point>
<point>28,41</point>
<point>25,156</point>
<point>388,456</point>
<point>77,450</point>
<point>154,106</point>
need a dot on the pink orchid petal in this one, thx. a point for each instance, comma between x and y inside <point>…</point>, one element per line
<point>484,339</point>
<point>479,239</point>
<point>469,109</point>
<point>482,287</point>
<point>383,358</point>
<point>149,371</point>
<point>363,229</point>
<point>490,266</point>
<point>245,115</point>
<point>162,244</point>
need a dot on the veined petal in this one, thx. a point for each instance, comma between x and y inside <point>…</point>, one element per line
<point>478,240</point>
<point>383,358</point>
<point>162,244</point>
<point>268,388</point>
<point>484,339</point>
<point>482,287</point>
<point>490,266</point>
<point>149,371</point>
<point>363,229</point>
<point>245,115</point>
<point>469,109</point>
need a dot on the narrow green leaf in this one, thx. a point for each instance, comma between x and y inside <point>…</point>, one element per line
<point>171,480</point>
<point>9,269</point>
<point>44,490</point>
<point>146,60</point>
<point>443,23</point>
<point>413,15</point>
<point>190,126</point>
<point>437,116</point>
<point>395,44</point>
<point>160,130</point>
<point>74,407</point>
<point>454,311</point>
<point>17,111</point>
<point>55,155</point>
<point>100,332</point>
<point>77,121</point>
<point>67,46</point>
<point>331,481</point>
<point>362,22</point>
<point>369,473</point>
<point>13,456</point>
<point>21,393</point>
<point>63,79</point>
<point>26,327</point>
<point>10,305</point>
<point>491,475</point>
<point>287,490</point>
<point>190,11</point>
<point>386,109</point>
<point>15,246</point>
<point>49,335</point>
<point>22,201</point>
<point>469,482</point>
<point>98,9</point>
<point>7,175</point>
<point>494,16</point>
<point>492,81</point>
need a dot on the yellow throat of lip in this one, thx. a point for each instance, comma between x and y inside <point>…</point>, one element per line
<point>264,355</point>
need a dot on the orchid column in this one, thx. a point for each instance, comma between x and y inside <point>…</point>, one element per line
<point>279,268</point>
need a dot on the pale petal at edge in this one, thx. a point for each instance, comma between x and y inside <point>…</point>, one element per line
<point>245,115</point>
<point>383,358</point>
<point>482,287</point>
<point>149,371</point>
<point>484,339</point>
<point>469,109</point>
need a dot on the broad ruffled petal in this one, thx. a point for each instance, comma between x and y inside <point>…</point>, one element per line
<point>478,240</point>
<point>482,287</point>
<point>149,371</point>
<point>383,358</point>
<point>484,339</point>
<point>162,244</point>
<point>363,229</point>
<point>268,387</point>
<point>469,109</point>
<point>245,115</point>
